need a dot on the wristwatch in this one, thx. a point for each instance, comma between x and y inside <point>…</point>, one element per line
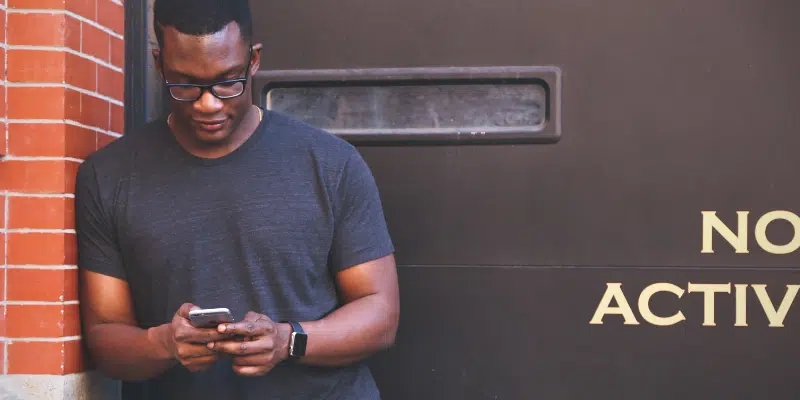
<point>297,341</point>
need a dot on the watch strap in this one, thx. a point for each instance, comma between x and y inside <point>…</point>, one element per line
<point>296,327</point>
<point>297,340</point>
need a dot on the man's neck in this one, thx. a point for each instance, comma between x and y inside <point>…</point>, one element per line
<point>240,135</point>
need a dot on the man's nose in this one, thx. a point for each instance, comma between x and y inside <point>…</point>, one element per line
<point>208,103</point>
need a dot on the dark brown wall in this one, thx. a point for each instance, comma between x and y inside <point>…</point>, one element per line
<point>670,108</point>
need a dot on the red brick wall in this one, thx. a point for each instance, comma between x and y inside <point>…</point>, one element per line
<point>60,99</point>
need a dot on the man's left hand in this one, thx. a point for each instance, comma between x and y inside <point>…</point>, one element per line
<point>262,345</point>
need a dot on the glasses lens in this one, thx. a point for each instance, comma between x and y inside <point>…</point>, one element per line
<point>230,89</point>
<point>185,92</point>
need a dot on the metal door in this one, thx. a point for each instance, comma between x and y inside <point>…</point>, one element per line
<point>515,254</point>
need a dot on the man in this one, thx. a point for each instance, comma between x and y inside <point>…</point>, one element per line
<point>223,204</point>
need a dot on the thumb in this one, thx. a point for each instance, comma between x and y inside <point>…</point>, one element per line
<point>185,308</point>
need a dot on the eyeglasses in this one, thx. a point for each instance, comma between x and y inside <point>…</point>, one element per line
<point>223,90</point>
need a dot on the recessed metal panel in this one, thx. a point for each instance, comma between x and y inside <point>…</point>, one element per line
<point>431,105</point>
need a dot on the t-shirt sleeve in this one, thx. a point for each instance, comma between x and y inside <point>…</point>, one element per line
<point>360,229</point>
<point>98,250</point>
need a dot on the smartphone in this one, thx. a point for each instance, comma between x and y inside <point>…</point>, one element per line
<point>210,317</point>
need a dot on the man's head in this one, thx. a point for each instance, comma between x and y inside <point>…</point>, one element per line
<point>202,42</point>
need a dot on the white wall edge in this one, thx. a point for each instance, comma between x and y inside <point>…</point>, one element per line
<point>82,386</point>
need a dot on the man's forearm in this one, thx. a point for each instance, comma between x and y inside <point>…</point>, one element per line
<point>129,353</point>
<point>351,333</point>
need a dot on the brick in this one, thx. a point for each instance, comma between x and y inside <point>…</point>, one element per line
<point>36,140</point>
<point>111,15</point>
<point>2,253</point>
<point>37,29</point>
<point>95,42</point>
<point>2,131</point>
<point>80,72</point>
<point>40,176</point>
<point>2,98</point>
<point>95,112</point>
<point>72,34</point>
<point>42,284</point>
<point>80,142</point>
<point>112,83</point>
<point>75,359</point>
<point>117,52</point>
<point>72,105</point>
<point>51,140</point>
<point>2,348</point>
<point>40,140</point>
<point>35,66</point>
<point>42,321</point>
<point>52,358</point>
<point>2,278</point>
<point>2,104</point>
<point>37,4</point>
<point>84,8</point>
<point>36,102</point>
<point>42,249</point>
<point>70,172</point>
<point>3,26</point>
<point>103,140</point>
<point>41,213</point>
<point>117,119</point>
<point>2,222</point>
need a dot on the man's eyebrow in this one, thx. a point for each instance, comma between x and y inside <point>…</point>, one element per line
<point>221,75</point>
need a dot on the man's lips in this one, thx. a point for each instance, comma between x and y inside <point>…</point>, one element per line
<point>210,125</point>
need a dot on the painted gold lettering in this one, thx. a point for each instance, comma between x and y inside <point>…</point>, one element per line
<point>774,316</point>
<point>644,304</point>
<point>761,232</point>
<point>614,292</point>
<point>711,222</point>
<point>709,289</point>
<point>741,304</point>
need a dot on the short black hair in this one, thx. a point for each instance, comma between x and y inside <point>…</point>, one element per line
<point>201,17</point>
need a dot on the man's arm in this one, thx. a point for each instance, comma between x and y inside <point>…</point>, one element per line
<point>119,348</point>
<point>365,324</point>
<point>362,259</point>
<point>124,351</point>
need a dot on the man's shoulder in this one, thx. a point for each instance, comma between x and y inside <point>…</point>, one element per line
<point>300,136</point>
<point>126,145</point>
<point>112,160</point>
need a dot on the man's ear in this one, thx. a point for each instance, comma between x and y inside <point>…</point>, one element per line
<point>255,62</point>
<point>157,61</point>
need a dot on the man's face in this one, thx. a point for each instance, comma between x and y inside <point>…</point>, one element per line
<point>205,60</point>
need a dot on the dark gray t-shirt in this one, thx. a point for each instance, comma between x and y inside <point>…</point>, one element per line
<point>262,229</point>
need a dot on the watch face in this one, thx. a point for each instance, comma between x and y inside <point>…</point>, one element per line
<point>298,344</point>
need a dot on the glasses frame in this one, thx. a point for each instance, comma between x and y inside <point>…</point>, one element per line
<point>209,87</point>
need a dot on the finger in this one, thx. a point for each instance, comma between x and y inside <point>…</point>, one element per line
<point>193,351</point>
<point>200,364</point>
<point>253,360</point>
<point>189,334</point>
<point>261,345</point>
<point>253,316</point>
<point>183,312</point>
<point>251,371</point>
<point>249,327</point>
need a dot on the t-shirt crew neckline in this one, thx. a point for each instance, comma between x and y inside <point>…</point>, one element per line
<point>244,147</point>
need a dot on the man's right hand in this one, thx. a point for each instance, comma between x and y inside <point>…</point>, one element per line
<point>187,344</point>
